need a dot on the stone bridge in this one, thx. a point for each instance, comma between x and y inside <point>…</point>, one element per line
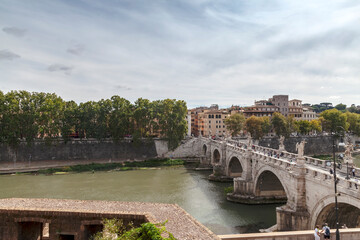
<point>264,175</point>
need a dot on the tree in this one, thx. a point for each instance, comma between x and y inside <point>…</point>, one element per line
<point>120,118</point>
<point>235,123</point>
<point>280,124</point>
<point>303,126</point>
<point>143,116</point>
<point>353,120</point>
<point>341,107</point>
<point>334,121</point>
<point>70,121</point>
<point>171,116</point>
<point>315,125</point>
<point>291,125</point>
<point>254,125</point>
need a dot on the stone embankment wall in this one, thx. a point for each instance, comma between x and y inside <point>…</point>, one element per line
<point>77,149</point>
<point>315,145</point>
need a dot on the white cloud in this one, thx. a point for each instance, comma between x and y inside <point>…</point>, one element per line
<point>204,52</point>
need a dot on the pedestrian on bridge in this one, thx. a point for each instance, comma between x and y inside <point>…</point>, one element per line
<point>326,231</point>
<point>316,233</point>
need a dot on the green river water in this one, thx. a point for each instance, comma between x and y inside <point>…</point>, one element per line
<point>203,199</point>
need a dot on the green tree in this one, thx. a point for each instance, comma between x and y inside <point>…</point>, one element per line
<point>280,124</point>
<point>353,120</point>
<point>235,123</point>
<point>303,126</point>
<point>120,118</point>
<point>50,114</point>
<point>334,121</point>
<point>28,113</point>
<point>266,125</point>
<point>69,123</point>
<point>254,125</point>
<point>143,116</point>
<point>315,125</point>
<point>341,107</point>
<point>11,119</point>
<point>171,116</point>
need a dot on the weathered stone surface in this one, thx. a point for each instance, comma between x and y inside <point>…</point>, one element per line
<point>78,150</point>
<point>79,217</point>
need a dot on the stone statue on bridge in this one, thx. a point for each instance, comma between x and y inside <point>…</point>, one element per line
<point>249,140</point>
<point>348,151</point>
<point>281,143</point>
<point>300,148</point>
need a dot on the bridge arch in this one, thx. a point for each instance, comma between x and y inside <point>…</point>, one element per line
<point>324,211</point>
<point>204,150</point>
<point>269,184</point>
<point>235,168</point>
<point>216,156</point>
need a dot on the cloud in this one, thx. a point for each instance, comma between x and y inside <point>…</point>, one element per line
<point>60,68</point>
<point>77,49</point>
<point>17,32</point>
<point>8,55</point>
<point>121,87</point>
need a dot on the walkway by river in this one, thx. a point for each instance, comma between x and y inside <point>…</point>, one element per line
<point>191,190</point>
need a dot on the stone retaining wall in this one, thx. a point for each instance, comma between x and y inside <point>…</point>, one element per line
<point>77,149</point>
<point>315,145</point>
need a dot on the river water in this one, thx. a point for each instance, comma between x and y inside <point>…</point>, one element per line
<point>203,199</point>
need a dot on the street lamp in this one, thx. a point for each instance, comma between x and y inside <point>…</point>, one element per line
<point>335,182</point>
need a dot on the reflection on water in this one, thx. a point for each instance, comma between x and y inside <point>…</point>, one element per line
<point>191,190</point>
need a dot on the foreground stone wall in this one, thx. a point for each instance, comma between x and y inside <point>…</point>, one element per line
<point>53,219</point>
<point>78,150</point>
<point>345,234</point>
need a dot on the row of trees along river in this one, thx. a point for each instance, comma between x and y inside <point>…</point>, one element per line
<point>25,115</point>
<point>331,120</point>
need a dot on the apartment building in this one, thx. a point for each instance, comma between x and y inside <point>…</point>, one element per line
<point>295,109</point>
<point>209,121</point>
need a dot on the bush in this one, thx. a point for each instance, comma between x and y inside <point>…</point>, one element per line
<point>114,229</point>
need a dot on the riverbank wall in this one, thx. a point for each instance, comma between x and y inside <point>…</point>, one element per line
<point>315,145</point>
<point>82,149</point>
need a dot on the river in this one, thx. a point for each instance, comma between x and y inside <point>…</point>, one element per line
<point>203,199</point>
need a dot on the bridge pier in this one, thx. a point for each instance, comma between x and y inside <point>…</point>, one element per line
<point>219,174</point>
<point>244,193</point>
<point>288,219</point>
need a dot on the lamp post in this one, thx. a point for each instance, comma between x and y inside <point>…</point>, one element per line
<point>335,183</point>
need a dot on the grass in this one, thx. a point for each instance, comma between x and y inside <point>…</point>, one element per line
<point>323,157</point>
<point>125,166</point>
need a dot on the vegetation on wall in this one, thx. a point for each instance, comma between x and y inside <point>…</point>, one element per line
<point>114,229</point>
<point>25,115</point>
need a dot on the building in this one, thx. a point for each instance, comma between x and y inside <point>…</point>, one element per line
<point>260,110</point>
<point>295,109</point>
<point>213,123</point>
<point>209,121</point>
<point>308,114</point>
<point>282,102</point>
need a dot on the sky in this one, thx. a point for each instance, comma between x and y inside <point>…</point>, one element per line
<point>229,52</point>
